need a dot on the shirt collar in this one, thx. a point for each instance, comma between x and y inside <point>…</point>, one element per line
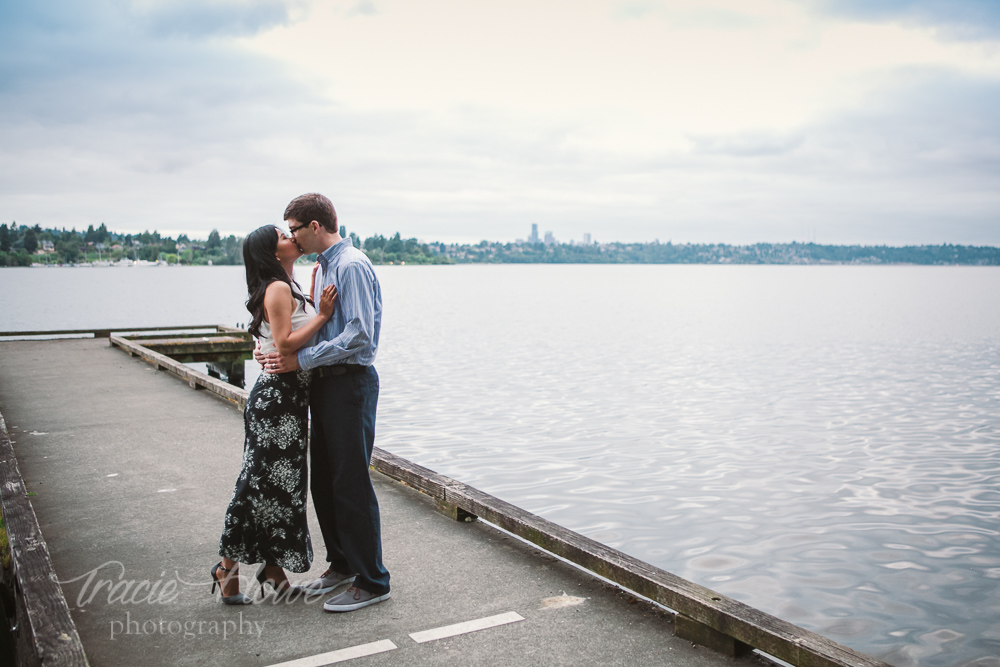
<point>331,253</point>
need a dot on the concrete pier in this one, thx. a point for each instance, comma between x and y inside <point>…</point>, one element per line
<point>131,473</point>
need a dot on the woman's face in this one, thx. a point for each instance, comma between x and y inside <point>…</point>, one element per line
<point>287,248</point>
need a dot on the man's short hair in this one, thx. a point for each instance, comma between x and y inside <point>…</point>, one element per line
<point>306,208</point>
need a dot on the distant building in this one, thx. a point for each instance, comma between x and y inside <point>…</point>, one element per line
<point>586,239</point>
<point>549,239</point>
<point>534,234</point>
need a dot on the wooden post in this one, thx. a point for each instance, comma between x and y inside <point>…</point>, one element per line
<point>454,512</point>
<point>699,633</point>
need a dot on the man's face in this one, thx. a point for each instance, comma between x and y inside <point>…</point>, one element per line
<point>303,234</point>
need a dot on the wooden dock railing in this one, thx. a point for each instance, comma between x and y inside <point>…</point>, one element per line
<point>38,630</point>
<point>106,333</point>
<point>701,614</point>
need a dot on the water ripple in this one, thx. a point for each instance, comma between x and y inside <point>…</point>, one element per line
<point>842,479</point>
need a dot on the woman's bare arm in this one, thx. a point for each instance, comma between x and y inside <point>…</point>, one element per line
<point>279,304</point>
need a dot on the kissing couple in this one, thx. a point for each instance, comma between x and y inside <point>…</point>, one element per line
<point>317,357</point>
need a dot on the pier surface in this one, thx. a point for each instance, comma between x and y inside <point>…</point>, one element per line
<point>132,471</point>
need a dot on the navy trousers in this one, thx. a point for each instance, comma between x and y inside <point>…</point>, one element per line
<point>343,435</point>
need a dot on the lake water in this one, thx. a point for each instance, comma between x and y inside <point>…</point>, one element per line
<point>820,442</point>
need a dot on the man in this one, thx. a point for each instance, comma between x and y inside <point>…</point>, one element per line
<point>342,405</point>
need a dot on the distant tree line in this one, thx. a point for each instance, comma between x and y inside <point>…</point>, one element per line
<point>693,253</point>
<point>396,250</point>
<point>21,245</point>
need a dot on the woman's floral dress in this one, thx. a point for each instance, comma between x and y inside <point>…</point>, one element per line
<point>266,519</point>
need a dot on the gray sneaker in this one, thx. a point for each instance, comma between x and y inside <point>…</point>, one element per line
<point>351,599</point>
<point>326,582</point>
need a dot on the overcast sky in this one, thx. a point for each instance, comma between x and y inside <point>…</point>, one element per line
<point>735,121</point>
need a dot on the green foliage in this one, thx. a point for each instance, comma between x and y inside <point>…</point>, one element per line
<point>69,250</point>
<point>396,250</point>
<point>72,247</point>
<point>15,258</point>
<point>31,241</point>
<point>19,243</point>
<point>760,253</point>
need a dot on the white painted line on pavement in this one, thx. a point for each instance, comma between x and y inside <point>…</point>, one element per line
<point>340,655</point>
<point>467,626</point>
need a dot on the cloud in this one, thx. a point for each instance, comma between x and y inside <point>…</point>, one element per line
<point>104,112</point>
<point>746,144</point>
<point>113,41</point>
<point>104,118</point>
<point>198,18</point>
<point>686,15</point>
<point>363,8</point>
<point>636,9</point>
<point>954,19</point>
<point>917,163</point>
<point>927,121</point>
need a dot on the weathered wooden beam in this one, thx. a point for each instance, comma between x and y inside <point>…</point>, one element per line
<point>454,512</point>
<point>194,378</point>
<point>46,634</point>
<point>104,333</point>
<point>201,348</point>
<point>245,335</point>
<point>202,342</point>
<point>228,357</point>
<point>699,633</point>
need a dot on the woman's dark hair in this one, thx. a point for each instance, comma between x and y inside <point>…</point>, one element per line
<point>263,268</point>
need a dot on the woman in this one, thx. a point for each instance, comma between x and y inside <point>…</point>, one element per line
<point>266,519</point>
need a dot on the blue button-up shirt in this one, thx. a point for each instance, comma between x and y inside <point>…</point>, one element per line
<point>351,335</point>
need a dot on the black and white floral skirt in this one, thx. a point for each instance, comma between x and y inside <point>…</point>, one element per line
<point>266,519</point>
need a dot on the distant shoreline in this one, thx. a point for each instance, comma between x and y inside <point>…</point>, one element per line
<point>564,263</point>
<point>21,246</point>
<point>688,253</point>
